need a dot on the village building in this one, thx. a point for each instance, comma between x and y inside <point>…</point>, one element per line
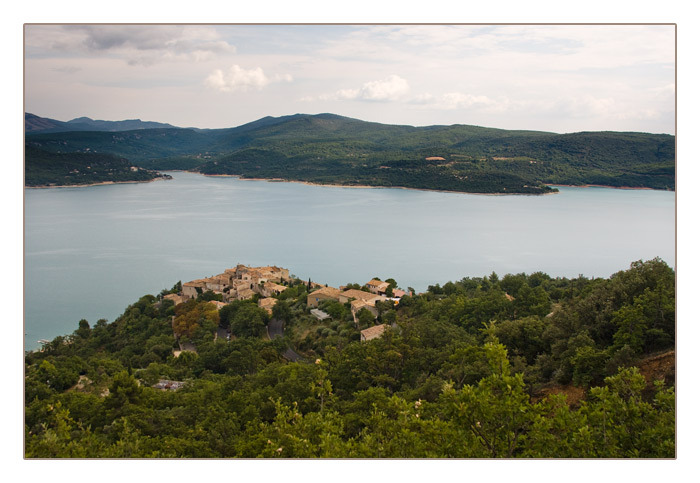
<point>257,275</point>
<point>377,287</point>
<point>190,290</point>
<point>240,283</point>
<point>267,304</point>
<point>217,283</point>
<point>372,332</point>
<point>368,297</point>
<point>268,289</point>
<point>325,293</point>
<point>176,298</point>
<point>243,294</point>
<point>357,305</point>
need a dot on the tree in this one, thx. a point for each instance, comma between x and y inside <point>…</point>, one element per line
<point>623,425</point>
<point>365,318</point>
<point>497,411</point>
<point>83,330</point>
<point>124,392</point>
<point>282,311</point>
<point>193,315</point>
<point>249,321</point>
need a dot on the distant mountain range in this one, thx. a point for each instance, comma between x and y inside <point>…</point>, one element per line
<point>332,149</point>
<point>35,124</point>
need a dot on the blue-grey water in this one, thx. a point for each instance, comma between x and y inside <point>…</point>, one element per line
<point>92,251</point>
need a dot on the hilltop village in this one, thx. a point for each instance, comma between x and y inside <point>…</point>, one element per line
<point>266,283</point>
<point>457,372</point>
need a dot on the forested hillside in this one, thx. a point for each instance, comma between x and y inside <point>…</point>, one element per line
<point>475,368</point>
<point>44,168</point>
<point>327,148</point>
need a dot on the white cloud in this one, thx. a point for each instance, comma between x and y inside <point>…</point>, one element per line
<point>239,79</point>
<point>459,100</point>
<point>392,88</point>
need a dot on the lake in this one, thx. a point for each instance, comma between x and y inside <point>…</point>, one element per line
<point>92,251</point>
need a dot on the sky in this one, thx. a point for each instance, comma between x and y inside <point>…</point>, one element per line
<point>558,78</point>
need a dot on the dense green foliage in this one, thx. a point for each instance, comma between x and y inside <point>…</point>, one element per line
<point>326,148</point>
<point>44,168</point>
<point>463,372</point>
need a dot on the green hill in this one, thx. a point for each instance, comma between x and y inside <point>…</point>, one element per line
<point>328,148</point>
<point>35,124</point>
<point>43,168</point>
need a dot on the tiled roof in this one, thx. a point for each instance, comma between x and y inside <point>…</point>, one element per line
<point>373,332</point>
<point>332,291</point>
<point>376,283</point>
<point>357,304</point>
<point>267,302</point>
<point>196,283</point>
<point>359,294</point>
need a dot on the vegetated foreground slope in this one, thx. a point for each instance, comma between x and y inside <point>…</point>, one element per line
<point>460,371</point>
<point>327,148</point>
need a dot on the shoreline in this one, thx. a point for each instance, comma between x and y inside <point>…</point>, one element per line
<point>335,185</point>
<point>606,186</point>
<point>332,185</point>
<point>101,183</point>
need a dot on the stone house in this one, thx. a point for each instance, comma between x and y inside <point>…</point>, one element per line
<point>325,293</point>
<point>240,283</point>
<point>368,297</point>
<point>357,305</point>
<point>244,294</point>
<point>176,298</point>
<point>372,332</point>
<point>190,290</point>
<point>268,289</point>
<point>377,287</point>
<point>217,283</point>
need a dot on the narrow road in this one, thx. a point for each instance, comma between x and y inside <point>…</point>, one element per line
<point>275,329</point>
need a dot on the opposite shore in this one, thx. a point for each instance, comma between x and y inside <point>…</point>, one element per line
<point>101,183</point>
<point>336,185</point>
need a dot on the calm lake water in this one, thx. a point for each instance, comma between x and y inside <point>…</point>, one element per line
<point>92,251</point>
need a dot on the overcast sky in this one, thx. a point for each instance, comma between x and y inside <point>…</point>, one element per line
<point>562,78</point>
